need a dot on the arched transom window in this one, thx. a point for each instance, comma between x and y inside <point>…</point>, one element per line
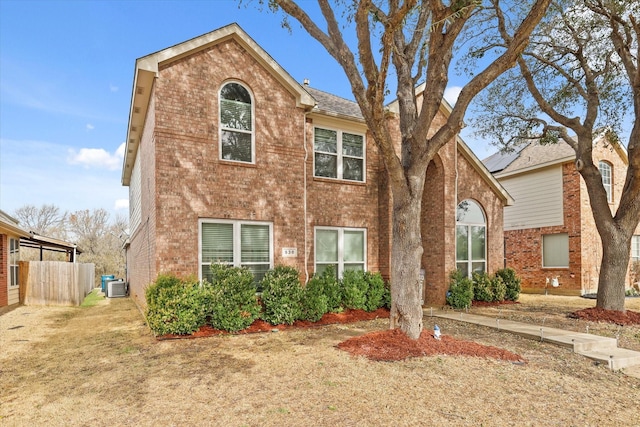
<point>236,124</point>
<point>471,237</point>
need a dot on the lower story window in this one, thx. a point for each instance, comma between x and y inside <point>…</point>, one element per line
<point>471,232</point>
<point>555,250</point>
<point>635,248</point>
<point>342,248</point>
<point>236,243</point>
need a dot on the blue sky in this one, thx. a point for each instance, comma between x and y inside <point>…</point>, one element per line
<point>66,72</point>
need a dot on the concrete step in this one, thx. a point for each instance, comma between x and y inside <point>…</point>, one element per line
<point>616,359</point>
<point>602,349</point>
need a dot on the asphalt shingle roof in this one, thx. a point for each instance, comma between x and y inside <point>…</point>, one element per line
<point>334,104</point>
<point>527,156</point>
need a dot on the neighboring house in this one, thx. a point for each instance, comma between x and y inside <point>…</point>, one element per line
<point>229,159</point>
<point>12,238</point>
<point>550,235</point>
<point>10,235</point>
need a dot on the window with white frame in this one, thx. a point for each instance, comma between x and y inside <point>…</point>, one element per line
<point>14,258</point>
<point>343,248</point>
<point>236,124</point>
<point>338,154</point>
<point>605,171</point>
<point>471,236</point>
<point>635,247</point>
<point>555,250</point>
<point>236,243</point>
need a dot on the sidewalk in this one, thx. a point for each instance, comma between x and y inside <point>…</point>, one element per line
<point>601,349</point>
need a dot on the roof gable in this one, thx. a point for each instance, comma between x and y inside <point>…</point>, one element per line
<point>147,67</point>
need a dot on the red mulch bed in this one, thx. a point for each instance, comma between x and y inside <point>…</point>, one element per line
<point>596,314</point>
<point>386,345</point>
<point>347,316</point>
<point>493,303</point>
<point>393,344</point>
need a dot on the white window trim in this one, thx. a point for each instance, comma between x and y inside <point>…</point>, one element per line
<point>11,266</point>
<point>339,154</point>
<point>470,261</point>
<point>608,187</point>
<point>340,260</point>
<point>635,247</point>
<point>568,252</point>
<point>237,241</point>
<point>253,125</point>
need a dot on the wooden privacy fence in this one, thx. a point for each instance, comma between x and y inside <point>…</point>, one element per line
<point>55,282</point>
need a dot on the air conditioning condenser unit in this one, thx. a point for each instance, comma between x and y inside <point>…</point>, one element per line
<point>116,289</point>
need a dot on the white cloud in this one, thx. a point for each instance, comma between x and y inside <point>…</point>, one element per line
<point>451,94</point>
<point>97,158</point>
<point>121,204</point>
<point>90,126</point>
<point>113,88</point>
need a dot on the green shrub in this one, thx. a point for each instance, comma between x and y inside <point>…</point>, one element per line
<point>354,290</point>
<point>460,293</point>
<point>331,288</point>
<point>234,305</point>
<point>314,301</point>
<point>378,292</point>
<point>175,306</point>
<point>498,288</point>
<point>281,296</point>
<point>512,283</point>
<point>482,287</point>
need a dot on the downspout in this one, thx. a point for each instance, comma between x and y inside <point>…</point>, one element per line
<point>304,192</point>
<point>455,204</point>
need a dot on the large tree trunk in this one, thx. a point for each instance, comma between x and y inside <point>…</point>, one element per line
<point>613,271</point>
<point>406,255</point>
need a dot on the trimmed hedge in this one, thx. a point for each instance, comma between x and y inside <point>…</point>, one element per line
<point>281,296</point>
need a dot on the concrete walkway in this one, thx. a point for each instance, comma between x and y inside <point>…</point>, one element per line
<point>601,349</point>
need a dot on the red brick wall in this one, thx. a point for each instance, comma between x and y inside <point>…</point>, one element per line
<point>141,264</point>
<point>4,267</point>
<point>184,181</point>
<point>524,247</point>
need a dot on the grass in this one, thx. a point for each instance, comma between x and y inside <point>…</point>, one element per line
<point>106,354</point>
<point>92,299</point>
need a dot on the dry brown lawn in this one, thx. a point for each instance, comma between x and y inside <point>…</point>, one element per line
<point>101,366</point>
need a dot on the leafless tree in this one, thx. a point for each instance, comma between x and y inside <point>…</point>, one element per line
<point>417,39</point>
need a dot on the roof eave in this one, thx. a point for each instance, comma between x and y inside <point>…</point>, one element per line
<point>535,167</point>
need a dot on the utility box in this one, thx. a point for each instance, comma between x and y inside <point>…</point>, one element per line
<point>116,289</point>
<point>105,279</point>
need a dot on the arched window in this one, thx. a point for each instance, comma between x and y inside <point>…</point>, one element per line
<point>471,237</point>
<point>236,124</point>
<point>605,171</point>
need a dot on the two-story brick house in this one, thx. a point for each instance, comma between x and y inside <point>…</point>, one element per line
<point>550,235</point>
<point>229,159</point>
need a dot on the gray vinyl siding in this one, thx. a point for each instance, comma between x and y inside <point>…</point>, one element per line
<point>538,199</point>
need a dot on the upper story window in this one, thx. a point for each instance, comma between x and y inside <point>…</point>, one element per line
<point>605,171</point>
<point>236,124</point>
<point>471,236</point>
<point>338,154</point>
